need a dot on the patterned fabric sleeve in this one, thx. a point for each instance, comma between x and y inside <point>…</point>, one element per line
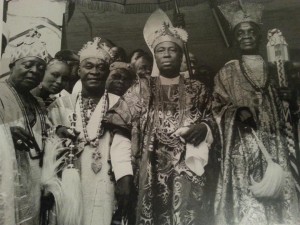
<point>203,102</point>
<point>130,107</point>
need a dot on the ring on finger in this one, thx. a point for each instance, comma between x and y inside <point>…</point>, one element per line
<point>19,142</point>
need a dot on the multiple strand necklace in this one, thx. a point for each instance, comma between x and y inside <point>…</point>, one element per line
<point>85,116</point>
<point>29,124</point>
<point>249,74</point>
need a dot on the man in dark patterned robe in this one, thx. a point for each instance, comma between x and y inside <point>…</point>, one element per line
<point>168,119</point>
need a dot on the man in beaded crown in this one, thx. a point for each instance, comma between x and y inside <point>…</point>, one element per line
<point>246,100</point>
<point>90,106</point>
<point>168,117</point>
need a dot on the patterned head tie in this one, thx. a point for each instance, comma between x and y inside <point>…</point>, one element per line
<point>95,49</point>
<point>31,46</point>
<point>121,65</point>
<point>237,12</point>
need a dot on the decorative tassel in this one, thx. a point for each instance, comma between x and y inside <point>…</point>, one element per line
<point>49,180</point>
<point>71,211</point>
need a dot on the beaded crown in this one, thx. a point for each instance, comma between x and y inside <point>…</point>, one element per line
<point>95,49</point>
<point>237,12</point>
<point>30,46</point>
<point>159,28</point>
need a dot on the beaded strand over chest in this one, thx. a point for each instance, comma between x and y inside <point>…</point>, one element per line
<point>85,119</point>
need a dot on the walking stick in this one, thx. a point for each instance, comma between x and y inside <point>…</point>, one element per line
<point>278,53</point>
<point>185,46</point>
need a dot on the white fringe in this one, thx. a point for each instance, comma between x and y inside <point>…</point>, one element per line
<point>67,192</point>
<point>71,212</point>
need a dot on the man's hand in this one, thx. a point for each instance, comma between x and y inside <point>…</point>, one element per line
<point>245,119</point>
<point>243,115</point>
<point>65,132</point>
<point>123,191</point>
<point>193,134</point>
<point>285,94</point>
<point>22,139</point>
<point>48,201</point>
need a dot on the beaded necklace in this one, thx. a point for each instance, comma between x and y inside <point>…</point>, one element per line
<point>29,126</point>
<point>246,70</point>
<point>259,90</point>
<point>100,130</point>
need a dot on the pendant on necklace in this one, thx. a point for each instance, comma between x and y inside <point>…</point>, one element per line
<point>88,113</point>
<point>96,161</point>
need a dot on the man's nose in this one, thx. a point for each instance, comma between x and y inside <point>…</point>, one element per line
<point>166,53</point>
<point>59,80</point>
<point>95,70</point>
<point>34,69</point>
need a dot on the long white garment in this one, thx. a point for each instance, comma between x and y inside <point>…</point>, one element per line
<point>27,204</point>
<point>7,174</point>
<point>97,188</point>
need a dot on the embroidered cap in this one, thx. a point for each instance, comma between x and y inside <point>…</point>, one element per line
<point>95,49</point>
<point>237,12</point>
<point>31,46</point>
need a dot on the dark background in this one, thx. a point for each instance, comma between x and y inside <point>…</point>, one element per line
<point>205,40</point>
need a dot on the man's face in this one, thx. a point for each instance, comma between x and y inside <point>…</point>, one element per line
<point>117,54</point>
<point>118,81</point>
<point>194,63</point>
<point>93,73</point>
<point>56,77</point>
<point>143,67</point>
<point>27,73</point>
<point>247,37</point>
<point>168,56</point>
<point>135,56</point>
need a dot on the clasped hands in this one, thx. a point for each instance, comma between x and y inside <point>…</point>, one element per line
<point>193,134</point>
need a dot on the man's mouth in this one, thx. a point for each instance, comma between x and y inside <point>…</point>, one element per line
<point>31,79</point>
<point>167,64</point>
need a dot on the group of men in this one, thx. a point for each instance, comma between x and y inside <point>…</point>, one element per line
<point>157,149</point>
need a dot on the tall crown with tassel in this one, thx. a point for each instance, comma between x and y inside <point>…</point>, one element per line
<point>238,12</point>
<point>95,49</point>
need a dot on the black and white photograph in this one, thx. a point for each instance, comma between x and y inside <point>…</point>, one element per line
<point>150,112</point>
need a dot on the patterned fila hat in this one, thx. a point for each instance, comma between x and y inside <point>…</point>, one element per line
<point>31,46</point>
